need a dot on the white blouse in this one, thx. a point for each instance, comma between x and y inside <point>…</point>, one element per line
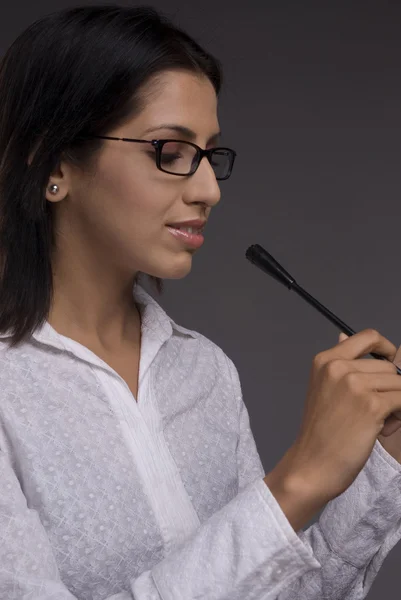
<point>106,498</point>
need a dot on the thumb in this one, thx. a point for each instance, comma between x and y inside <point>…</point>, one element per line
<point>342,337</point>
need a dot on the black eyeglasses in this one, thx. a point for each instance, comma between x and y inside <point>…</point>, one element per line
<point>178,157</point>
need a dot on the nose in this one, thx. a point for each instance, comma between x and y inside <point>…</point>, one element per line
<point>202,186</point>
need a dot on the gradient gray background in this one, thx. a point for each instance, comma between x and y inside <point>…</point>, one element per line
<point>312,104</point>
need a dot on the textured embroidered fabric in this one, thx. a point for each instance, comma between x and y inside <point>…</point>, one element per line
<point>107,498</point>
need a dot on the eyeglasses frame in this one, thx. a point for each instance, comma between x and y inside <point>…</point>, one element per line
<point>159,143</point>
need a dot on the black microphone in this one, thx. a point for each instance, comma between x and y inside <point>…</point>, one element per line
<point>257,255</point>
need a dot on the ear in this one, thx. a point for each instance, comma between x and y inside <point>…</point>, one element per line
<point>61,177</point>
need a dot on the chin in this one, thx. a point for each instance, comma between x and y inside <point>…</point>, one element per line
<point>174,270</point>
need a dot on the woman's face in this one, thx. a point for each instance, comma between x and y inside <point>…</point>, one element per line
<point>117,216</point>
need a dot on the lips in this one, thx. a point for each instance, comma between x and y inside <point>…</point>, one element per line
<point>196,224</point>
<point>195,240</point>
<point>191,230</point>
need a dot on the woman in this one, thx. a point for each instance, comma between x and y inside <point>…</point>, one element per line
<point>128,467</point>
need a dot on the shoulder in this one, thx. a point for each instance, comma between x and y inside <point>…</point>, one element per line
<point>15,366</point>
<point>210,353</point>
<point>204,342</point>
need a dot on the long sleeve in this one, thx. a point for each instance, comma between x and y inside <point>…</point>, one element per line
<point>240,552</point>
<point>246,550</point>
<point>354,533</point>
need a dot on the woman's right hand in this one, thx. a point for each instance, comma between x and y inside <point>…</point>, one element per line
<point>348,401</point>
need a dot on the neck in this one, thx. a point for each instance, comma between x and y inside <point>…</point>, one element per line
<point>108,322</point>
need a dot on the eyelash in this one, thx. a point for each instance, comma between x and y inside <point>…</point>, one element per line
<point>152,154</point>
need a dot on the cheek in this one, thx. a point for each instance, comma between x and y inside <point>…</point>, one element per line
<point>133,199</point>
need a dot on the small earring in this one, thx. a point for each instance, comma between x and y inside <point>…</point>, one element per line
<point>53,188</point>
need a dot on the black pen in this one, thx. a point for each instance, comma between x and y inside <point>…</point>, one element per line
<point>257,255</point>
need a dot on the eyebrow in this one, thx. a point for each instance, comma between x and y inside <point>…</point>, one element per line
<point>185,131</point>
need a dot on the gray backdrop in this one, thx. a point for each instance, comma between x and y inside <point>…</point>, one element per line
<point>312,104</point>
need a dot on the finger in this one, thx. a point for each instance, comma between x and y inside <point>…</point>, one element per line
<point>391,425</point>
<point>391,403</point>
<point>397,357</point>
<point>382,382</point>
<point>372,365</point>
<point>342,337</point>
<point>361,343</point>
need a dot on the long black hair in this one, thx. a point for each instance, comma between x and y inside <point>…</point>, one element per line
<point>71,73</point>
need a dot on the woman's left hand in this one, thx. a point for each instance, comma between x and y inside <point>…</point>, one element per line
<point>391,443</point>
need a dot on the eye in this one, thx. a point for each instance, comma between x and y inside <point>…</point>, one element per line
<point>168,158</point>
